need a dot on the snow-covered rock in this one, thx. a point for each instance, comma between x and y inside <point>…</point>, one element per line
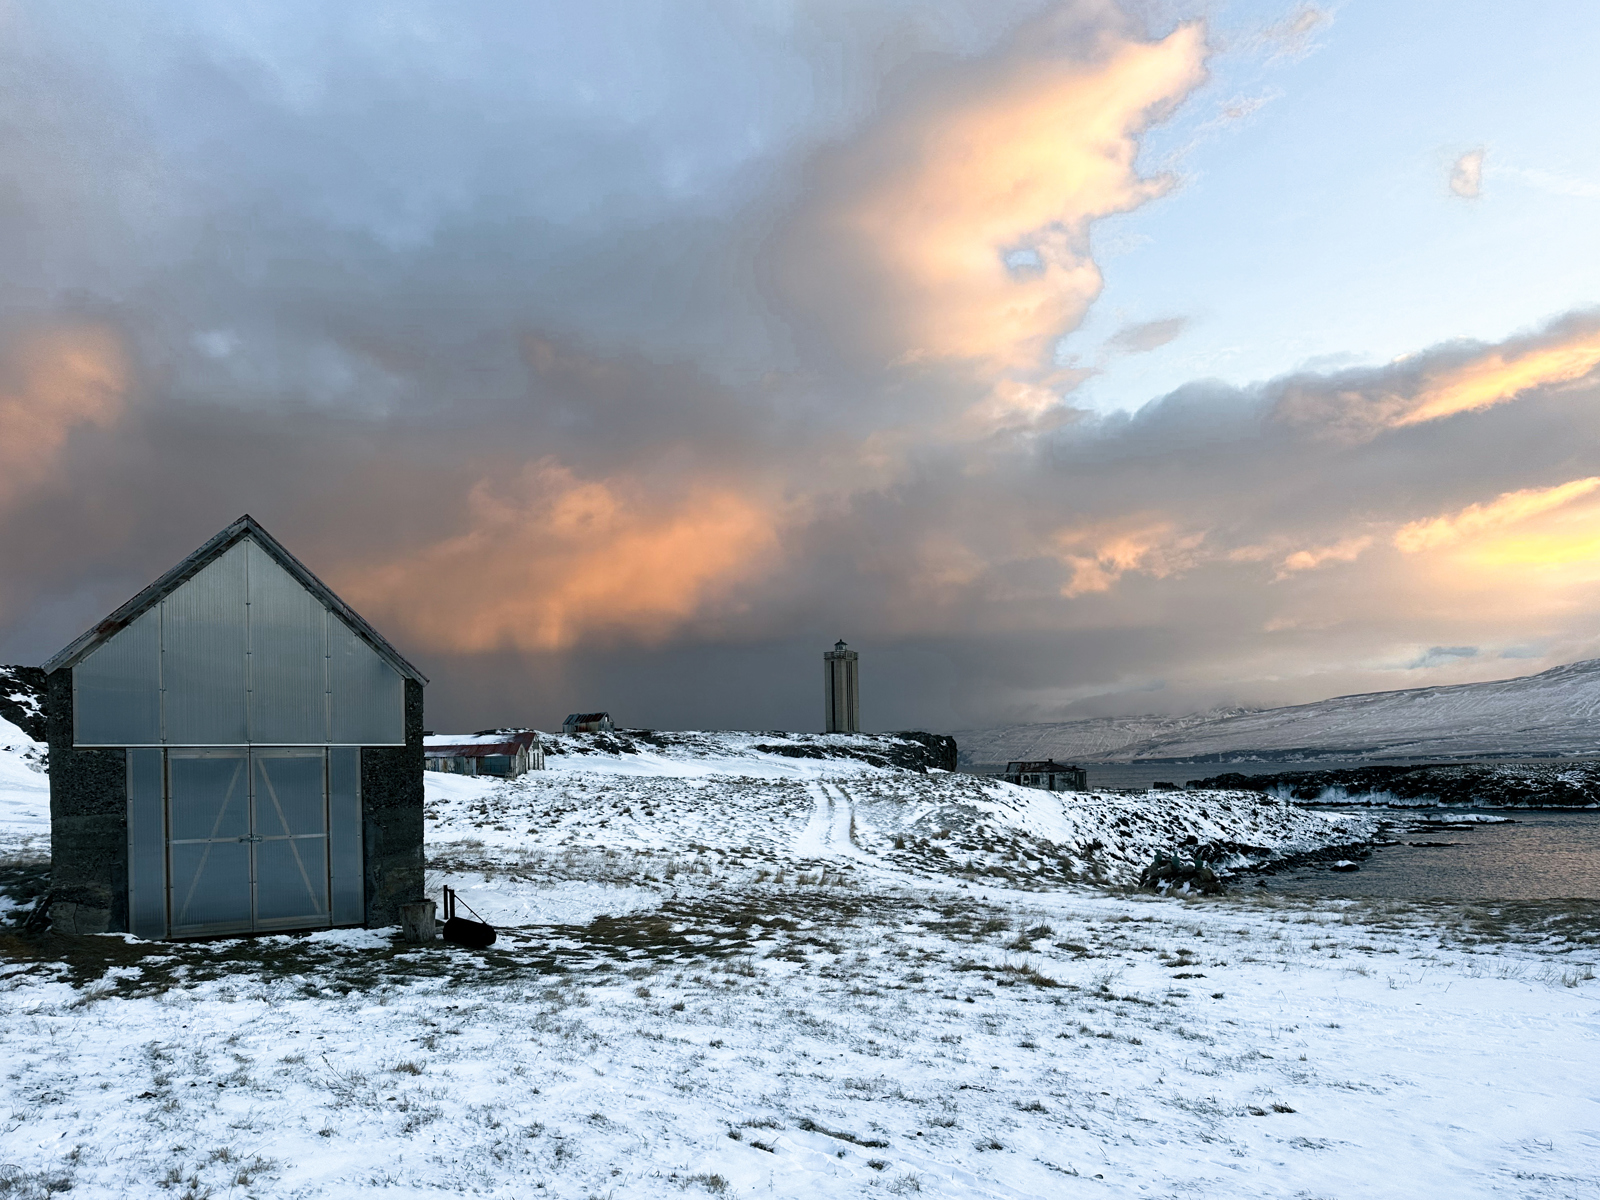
<point>22,699</point>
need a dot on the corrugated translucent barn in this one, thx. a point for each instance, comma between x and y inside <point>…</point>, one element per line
<point>233,751</point>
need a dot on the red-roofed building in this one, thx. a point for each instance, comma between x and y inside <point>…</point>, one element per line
<point>501,752</point>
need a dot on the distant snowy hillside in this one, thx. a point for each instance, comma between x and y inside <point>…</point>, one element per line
<point>1098,738</point>
<point>1554,713</point>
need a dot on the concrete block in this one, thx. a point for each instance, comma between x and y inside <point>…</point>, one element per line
<point>418,922</point>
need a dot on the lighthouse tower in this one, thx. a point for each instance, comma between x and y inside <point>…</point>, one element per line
<point>842,700</point>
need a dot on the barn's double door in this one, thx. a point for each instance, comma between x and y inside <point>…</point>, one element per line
<point>247,840</point>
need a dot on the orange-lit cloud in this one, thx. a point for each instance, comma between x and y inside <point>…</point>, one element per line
<point>1100,555</point>
<point>562,558</point>
<point>52,383</point>
<point>1443,383</point>
<point>1567,547</point>
<point>1498,376</point>
<point>961,227</point>
<point>1477,519</point>
<point>1542,559</point>
<point>1345,550</point>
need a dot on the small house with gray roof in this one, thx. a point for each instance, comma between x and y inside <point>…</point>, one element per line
<point>590,722</point>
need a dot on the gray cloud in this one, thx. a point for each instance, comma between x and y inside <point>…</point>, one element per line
<point>493,314</point>
<point>1147,336</point>
<point>1293,35</point>
<point>1436,655</point>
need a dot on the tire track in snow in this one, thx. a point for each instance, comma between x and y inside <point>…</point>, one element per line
<point>830,831</point>
<point>816,839</point>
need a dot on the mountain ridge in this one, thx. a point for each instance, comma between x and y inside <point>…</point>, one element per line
<point>1551,714</point>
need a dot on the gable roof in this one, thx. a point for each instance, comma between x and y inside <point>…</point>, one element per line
<point>478,745</point>
<point>245,527</point>
<point>492,737</point>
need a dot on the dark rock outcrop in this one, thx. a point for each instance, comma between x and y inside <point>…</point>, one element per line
<point>1176,873</point>
<point>1507,786</point>
<point>911,750</point>
<point>22,699</point>
<point>941,747</point>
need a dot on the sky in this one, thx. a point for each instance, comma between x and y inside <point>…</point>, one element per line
<point>1066,359</point>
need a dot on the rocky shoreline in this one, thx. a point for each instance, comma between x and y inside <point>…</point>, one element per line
<point>1442,785</point>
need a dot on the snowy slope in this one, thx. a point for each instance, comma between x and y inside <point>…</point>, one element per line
<point>759,813</point>
<point>24,791</point>
<point>1556,712</point>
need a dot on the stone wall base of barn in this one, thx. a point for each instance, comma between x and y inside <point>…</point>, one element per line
<point>79,920</point>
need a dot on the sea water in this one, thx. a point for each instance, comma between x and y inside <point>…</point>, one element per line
<point>1519,854</point>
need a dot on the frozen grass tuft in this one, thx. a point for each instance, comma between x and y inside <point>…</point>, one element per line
<point>713,1183</point>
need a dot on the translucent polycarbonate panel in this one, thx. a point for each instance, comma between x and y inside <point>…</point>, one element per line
<point>147,845</point>
<point>344,835</point>
<point>210,887</point>
<point>289,793</point>
<point>208,848</point>
<point>203,655</point>
<point>116,691</point>
<point>288,662</point>
<point>291,827</point>
<point>208,795</point>
<point>367,699</point>
<point>291,882</point>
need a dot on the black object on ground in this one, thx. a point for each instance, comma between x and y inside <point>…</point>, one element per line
<point>462,931</point>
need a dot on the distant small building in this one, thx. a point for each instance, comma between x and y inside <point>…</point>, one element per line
<point>506,753</point>
<point>597,722</point>
<point>1047,774</point>
<point>841,689</point>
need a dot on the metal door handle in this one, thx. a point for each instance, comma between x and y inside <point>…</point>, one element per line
<point>252,838</point>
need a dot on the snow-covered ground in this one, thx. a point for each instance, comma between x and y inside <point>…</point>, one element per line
<point>1556,712</point>
<point>727,979</point>
<point>24,793</point>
